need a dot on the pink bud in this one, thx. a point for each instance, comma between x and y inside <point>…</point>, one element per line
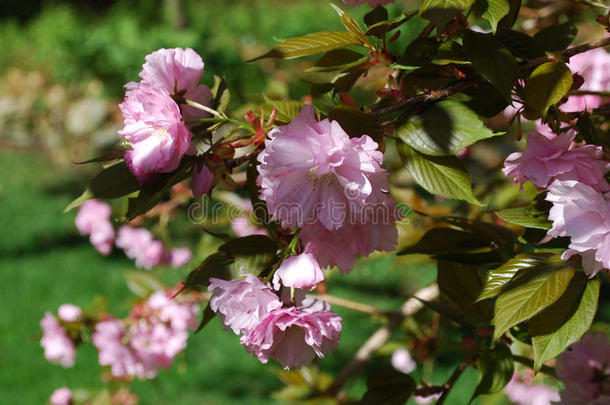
<point>69,313</point>
<point>301,271</point>
<point>202,179</point>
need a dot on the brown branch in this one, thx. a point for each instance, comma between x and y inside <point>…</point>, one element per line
<point>381,336</point>
<point>463,85</point>
<point>349,304</point>
<point>448,385</point>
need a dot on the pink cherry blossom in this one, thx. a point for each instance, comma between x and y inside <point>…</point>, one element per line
<point>403,361</point>
<point>241,304</point>
<point>155,130</point>
<point>292,337</point>
<point>61,396</point>
<point>585,370</point>
<point>521,390</point>
<point>57,345</point>
<point>202,179</point>
<point>300,271</point>
<point>582,213</point>
<point>93,219</point>
<point>545,160</point>
<point>594,67</point>
<point>138,244</point>
<point>69,313</point>
<point>372,3</point>
<point>178,257</point>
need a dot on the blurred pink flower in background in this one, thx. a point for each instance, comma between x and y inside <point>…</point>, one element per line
<point>292,337</point>
<point>242,304</point>
<point>545,160</point>
<point>178,257</point>
<point>139,244</point>
<point>93,219</point>
<point>61,396</point>
<point>582,213</point>
<point>403,361</point>
<point>521,390</point>
<point>585,371</point>
<point>300,271</point>
<point>69,313</point>
<point>57,345</point>
<point>242,225</point>
<point>594,67</point>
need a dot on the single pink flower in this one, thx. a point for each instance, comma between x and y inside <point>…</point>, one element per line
<point>300,271</point>
<point>594,67</point>
<point>155,130</point>
<point>241,304</point>
<point>583,214</point>
<point>372,3</point>
<point>403,361</point>
<point>202,179</point>
<point>292,337</point>
<point>522,391</point>
<point>545,160</point>
<point>57,345</point>
<point>61,396</point>
<point>69,313</point>
<point>585,371</point>
<point>93,219</point>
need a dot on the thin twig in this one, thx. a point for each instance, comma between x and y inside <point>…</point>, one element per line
<point>349,304</point>
<point>381,336</point>
<point>448,385</point>
<point>566,54</point>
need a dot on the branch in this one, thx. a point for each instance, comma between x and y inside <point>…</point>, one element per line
<point>353,305</point>
<point>463,85</point>
<point>381,336</point>
<point>448,385</point>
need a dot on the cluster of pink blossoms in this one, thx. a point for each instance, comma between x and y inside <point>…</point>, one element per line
<point>585,371</point>
<point>138,243</point>
<point>57,344</point>
<point>314,176</point>
<point>574,178</point>
<point>522,390</point>
<point>154,333</point>
<point>293,332</point>
<point>155,112</point>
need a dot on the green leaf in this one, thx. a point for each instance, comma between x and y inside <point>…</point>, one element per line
<point>338,59</point>
<point>254,254</point>
<point>549,337</point>
<point>520,44</point>
<point>498,279</point>
<point>509,20</point>
<point>547,85</point>
<point>556,37</point>
<point>208,314</point>
<point>528,217</point>
<point>310,44</point>
<point>496,367</point>
<point>388,387</point>
<point>462,284</point>
<point>440,175</point>
<point>383,27</point>
<point>492,60</point>
<point>443,128</point>
<point>493,11</point>
<point>352,26</point>
<point>113,182</point>
<point>454,240</point>
<point>378,14</point>
<point>215,265</point>
<point>500,235</point>
<point>357,123</point>
<point>440,12</point>
<point>287,110</point>
<point>530,295</point>
<point>221,94</point>
<point>113,153</point>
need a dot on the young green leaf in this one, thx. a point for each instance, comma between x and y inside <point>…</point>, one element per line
<point>311,44</point>
<point>528,217</point>
<point>549,337</point>
<point>547,85</point>
<point>287,110</point>
<point>443,128</point>
<point>378,14</point>
<point>529,296</point>
<point>440,12</point>
<point>352,26</point>
<point>338,59</point>
<point>493,11</point>
<point>440,175</point>
<point>496,367</point>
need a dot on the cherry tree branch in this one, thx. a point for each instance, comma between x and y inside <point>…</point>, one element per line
<point>465,84</point>
<point>381,336</point>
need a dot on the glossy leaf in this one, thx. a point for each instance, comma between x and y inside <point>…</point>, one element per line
<point>311,44</point>
<point>496,368</point>
<point>440,175</point>
<point>440,12</point>
<point>509,20</point>
<point>357,123</point>
<point>492,60</point>
<point>338,59</point>
<point>493,11</point>
<point>497,279</point>
<point>549,337</point>
<point>547,85</point>
<point>443,128</point>
<point>287,110</point>
<point>528,217</point>
<point>529,296</point>
<point>352,25</point>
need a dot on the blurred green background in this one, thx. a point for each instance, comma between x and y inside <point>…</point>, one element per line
<point>62,68</point>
